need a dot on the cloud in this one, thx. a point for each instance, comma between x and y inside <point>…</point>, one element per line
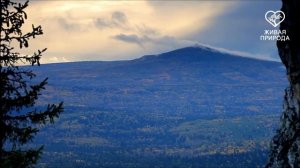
<point>131,38</point>
<point>54,59</point>
<point>143,29</point>
<point>118,20</point>
<point>155,42</point>
<point>119,17</point>
<point>67,25</point>
<point>238,53</point>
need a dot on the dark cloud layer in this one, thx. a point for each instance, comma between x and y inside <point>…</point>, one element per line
<point>142,40</point>
<point>240,28</point>
<point>131,38</point>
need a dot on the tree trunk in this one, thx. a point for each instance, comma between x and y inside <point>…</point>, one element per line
<point>285,146</point>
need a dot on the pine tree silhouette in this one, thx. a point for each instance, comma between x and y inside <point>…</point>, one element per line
<point>19,115</point>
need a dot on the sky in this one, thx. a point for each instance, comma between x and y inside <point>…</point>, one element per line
<point>122,30</point>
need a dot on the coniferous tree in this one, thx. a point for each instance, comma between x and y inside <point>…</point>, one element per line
<point>19,115</point>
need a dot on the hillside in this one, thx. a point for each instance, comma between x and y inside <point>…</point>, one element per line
<point>194,106</point>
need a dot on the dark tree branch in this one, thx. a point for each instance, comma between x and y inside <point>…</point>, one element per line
<point>17,93</point>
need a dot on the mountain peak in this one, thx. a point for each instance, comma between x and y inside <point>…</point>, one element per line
<point>202,51</point>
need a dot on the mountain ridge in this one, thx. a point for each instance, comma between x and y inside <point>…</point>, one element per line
<point>198,47</point>
<point>182,67</point>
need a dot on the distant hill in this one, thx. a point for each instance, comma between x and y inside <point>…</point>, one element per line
<point>192,77</point>
<point>196,103</point>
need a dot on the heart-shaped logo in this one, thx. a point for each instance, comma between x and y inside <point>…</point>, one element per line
<point>275,18</point>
